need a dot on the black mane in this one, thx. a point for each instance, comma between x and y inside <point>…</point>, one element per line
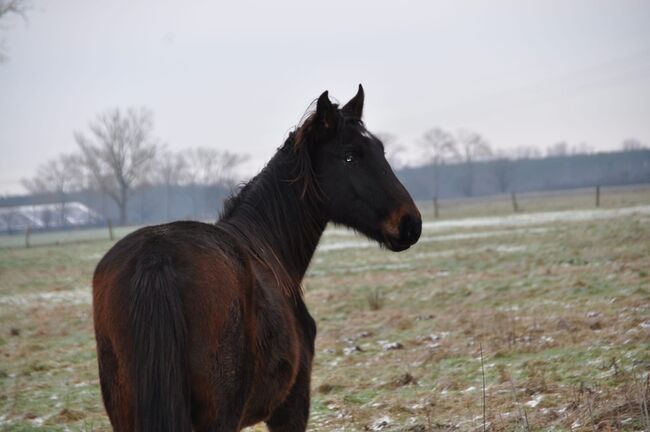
<point>294,147</point>
<point>278,209</point>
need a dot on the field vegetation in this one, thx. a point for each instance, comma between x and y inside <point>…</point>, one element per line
<point>498,321</point>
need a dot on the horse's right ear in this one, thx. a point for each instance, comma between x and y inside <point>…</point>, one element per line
<point>326,111</point>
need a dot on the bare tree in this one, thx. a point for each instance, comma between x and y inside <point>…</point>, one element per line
<point>582,148</point>
<point>9,219</point>
<point>170,170</point>
<point>7,9</point>
<point>229,163</point>
<point>439,147</point>
<point>13,7</point>
<point>211,167</point>
<point>527,152</point>
<point>119,152</point>
<point>472,148</point>
<point>631,144</point>
<point>202,170</point>
<point>558,149</point>
<point>502,168</point>
<point>58,177</point>
<point>393,149</point>
<point>202,165</point>
<point>46,217</point>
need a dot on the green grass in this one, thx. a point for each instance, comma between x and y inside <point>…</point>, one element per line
<point>559,310</point>
<point>63,237</point>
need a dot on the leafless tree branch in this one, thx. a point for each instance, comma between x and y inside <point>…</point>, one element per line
<point>439,147</point>
<point>8,8</point>
<point>58,177</point>
<point>119,152</point>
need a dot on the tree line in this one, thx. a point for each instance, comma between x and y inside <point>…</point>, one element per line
<point>122,170</point>
<point>465,161</point>
<point>119,155</point>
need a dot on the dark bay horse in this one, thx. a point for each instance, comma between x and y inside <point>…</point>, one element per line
<point>203,326</point>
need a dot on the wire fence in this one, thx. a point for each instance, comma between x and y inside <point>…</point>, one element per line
<point>529,202</point>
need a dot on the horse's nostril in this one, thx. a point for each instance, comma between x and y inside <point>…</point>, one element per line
<point>410,228</point>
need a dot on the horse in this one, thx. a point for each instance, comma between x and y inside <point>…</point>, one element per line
<point>203,326</point>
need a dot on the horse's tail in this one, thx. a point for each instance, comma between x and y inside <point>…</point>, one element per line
<point>159,368</point>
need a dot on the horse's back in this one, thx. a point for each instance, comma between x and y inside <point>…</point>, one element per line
<point>205,262</point>
<point>190,280</point>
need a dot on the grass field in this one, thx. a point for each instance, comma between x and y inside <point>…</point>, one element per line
<point>550,310</point>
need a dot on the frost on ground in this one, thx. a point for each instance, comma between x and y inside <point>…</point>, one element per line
<point>538,218</point>
<point>80,296</point>
<point>520,219</point>
<point>559,310</point>
<point>363,244</point>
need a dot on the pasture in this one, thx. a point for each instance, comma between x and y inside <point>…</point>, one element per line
<point>542,318</point>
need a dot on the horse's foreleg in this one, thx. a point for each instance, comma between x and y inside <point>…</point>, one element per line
<point>292,415</point>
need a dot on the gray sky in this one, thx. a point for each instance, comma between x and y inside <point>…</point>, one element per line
<point>238,75</point>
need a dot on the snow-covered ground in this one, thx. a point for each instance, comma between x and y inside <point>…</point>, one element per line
<point>331,242</point>
<point>76,296</point>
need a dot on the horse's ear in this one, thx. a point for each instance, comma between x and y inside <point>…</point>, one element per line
<point>326,111</point>
<point>355,106</point>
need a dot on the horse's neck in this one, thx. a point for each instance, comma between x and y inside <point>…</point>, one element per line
<point>272,213</point>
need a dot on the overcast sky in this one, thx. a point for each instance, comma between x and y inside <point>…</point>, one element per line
<point>238,75</point>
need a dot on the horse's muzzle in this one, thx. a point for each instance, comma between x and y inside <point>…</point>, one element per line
<point>403,229</point>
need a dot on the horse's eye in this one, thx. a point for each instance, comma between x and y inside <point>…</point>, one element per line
<point>349,158</point>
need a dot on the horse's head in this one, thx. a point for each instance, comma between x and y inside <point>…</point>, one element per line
<point>358,186</point>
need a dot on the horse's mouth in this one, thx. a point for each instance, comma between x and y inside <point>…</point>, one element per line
<point>395,244</point>
<point>402,231</point>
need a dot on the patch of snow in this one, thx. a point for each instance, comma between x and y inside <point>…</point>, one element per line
<point>361,269</point>
<point>535,401</point>
<point>381,423</point>
<point>509,248</point>
<point>351,350</point>
<point>537,218</point>
<point>48,216</point>
<point>389,346</point>
<point>328,247</point>
<point>526,219</point>
<point>365,244</point>
<point>92,257</point>
<point>546,339</point>
<point>79,296</point>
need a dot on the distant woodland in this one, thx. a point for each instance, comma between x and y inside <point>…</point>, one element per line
<point>123,173</point>
<point>497,176</point>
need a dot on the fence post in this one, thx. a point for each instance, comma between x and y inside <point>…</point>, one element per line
<point>28,233</point>
<point>515,207</point>
<point>110,229</point>
<point>435,207</point>
<point>598,196</point>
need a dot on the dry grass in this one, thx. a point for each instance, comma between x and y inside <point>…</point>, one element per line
<point>561,315</point>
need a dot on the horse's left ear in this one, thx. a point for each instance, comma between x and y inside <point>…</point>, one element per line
<point>326,111</point>
<point>355,106</point>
